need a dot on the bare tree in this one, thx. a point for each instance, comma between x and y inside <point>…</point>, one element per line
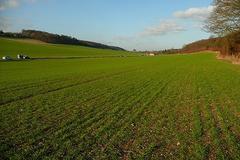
<point>225,17</point>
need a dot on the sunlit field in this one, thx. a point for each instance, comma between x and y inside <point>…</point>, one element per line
<point>169,107</point>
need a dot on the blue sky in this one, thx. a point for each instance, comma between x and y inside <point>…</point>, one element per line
<point>139,24</point>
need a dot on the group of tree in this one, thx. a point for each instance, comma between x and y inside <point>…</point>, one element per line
<point>213,44</point>
<point>55,39</point>
<point>224,22</point>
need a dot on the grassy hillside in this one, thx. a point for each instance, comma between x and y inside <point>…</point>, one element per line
<point>164,107</point>
<point>56,39</point>
<point>13,47</point>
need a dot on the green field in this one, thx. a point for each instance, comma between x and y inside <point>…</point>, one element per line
<point>12,47</point>
<point>163,107</point>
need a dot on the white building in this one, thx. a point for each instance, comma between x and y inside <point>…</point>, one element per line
<point>151,54</point>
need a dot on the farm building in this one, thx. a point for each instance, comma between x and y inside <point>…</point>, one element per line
<point>150,54</point>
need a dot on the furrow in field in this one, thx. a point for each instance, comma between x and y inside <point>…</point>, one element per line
<point>100,119</point>
<point>129,123</point>
<point>173,123</point>
<point>88,92</point>
<point>213,136</point>
<point>201,136</point>
<point>38,132</point>
<point>29,84</point>
<point>121,102</point>
<point>183,125</point>
<point>233,146</point>
<point>70,108</point>
<point>94,116</point>
<point>199,148</point>
<point>228,139</point>
<point>102,91</point>
<point>224,114</point>
<point>228,111</point>
<point>215,97</point>
<point>100,112</point>
<point>57,88</point>
<point>123,132</point>
<point>231,120</point>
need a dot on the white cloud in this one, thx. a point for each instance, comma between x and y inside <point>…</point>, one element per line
<point>195,13</point>
<point>165,27</point>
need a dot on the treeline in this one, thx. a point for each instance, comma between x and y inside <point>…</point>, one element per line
<point>168,51</point>
<point>160,52</point>
<point>213,44</point>
<point>227,45</point>
<point>224,21</point>
<point>55,39</point>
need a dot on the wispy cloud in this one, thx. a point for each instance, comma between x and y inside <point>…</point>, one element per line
<point>7,4</point>
<point>174,24</point>
<point>5,23</point>
<point>194,13</point>
<point>165,27</point>
<point>10,24</point>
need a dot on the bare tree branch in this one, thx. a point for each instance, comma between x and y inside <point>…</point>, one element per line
<point>225,18</point>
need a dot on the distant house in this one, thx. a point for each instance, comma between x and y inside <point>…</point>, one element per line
<point>150,54</point>
<point>6,58</point>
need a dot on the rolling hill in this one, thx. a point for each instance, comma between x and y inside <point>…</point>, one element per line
<point>39,49</point>
<point>56,39</point>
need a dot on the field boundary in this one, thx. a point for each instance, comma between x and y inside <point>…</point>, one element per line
<point>77,57</point>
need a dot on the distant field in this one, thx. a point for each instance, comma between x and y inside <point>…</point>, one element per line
<point>163,107</point>
<point>38,49</point>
